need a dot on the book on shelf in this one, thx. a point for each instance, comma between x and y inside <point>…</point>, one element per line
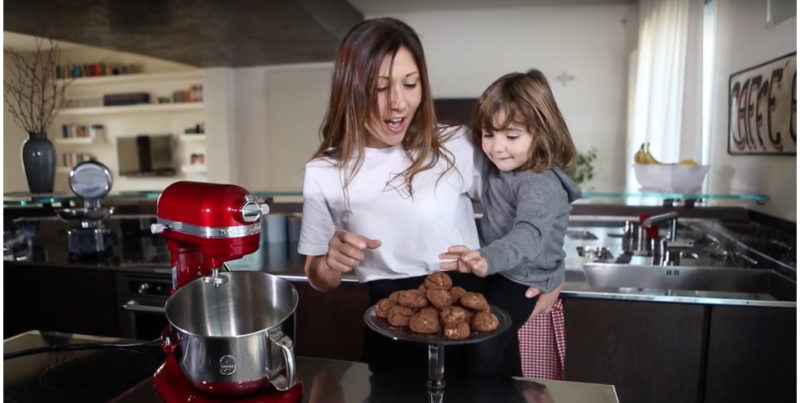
<point>70,159</point>
<point>130,98</point>
<point>73,130</point>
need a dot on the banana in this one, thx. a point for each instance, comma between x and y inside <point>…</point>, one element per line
<point>650,158</point>
<point>640,156</point>
<point>643,156</point>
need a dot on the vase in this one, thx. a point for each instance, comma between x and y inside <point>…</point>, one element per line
<point>39,162</point>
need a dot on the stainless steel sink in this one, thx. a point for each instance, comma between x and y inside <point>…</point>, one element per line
<point>760,283</point>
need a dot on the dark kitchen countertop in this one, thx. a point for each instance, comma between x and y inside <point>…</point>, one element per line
<point>332,380</point>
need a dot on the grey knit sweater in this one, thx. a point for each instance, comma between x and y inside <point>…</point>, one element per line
<point>525,217</point>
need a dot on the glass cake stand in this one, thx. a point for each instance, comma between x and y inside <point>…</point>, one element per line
<point>436,344</point>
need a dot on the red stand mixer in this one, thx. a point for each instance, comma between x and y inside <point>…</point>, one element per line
<point>224,342</point>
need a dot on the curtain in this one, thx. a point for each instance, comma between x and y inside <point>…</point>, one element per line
<point>659,79</point>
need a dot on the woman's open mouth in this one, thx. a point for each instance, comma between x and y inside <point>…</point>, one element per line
<point>395,125</point>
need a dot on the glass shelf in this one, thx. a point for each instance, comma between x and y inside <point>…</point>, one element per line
<point>672,195</point>
<point>25,199</point>
<point>21,199</point>
<point>671,199</point>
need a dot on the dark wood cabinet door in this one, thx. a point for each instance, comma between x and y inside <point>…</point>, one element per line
<point>20,296</point>
<point>331,324</point>
<point>78,301</point>
<point>752,355</point>
<point>651,352</point>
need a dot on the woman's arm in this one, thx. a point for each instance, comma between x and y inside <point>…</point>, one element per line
<point>345,251</point>
<point>546,299</point>
<point>320,276</point>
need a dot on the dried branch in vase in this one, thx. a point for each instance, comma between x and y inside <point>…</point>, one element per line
<point>33,94</point>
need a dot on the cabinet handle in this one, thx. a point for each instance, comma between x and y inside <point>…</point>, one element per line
<point>137,307</point>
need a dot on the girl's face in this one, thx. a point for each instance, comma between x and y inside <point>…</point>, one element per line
<point>507,149</point>
<point>399,96</point>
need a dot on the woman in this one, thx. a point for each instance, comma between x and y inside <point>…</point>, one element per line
<point>388,189</point>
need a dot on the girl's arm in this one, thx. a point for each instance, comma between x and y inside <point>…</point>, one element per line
<point>539,202</point>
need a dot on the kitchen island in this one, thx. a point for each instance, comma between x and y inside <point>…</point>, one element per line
<point>323,380</point>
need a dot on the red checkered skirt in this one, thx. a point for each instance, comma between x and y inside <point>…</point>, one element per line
<point>542,344</point>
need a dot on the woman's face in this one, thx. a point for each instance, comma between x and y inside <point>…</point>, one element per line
<point>399,95</point>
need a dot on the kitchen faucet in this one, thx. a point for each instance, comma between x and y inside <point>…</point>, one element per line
<point>665,251</point>
<point>671,216</point>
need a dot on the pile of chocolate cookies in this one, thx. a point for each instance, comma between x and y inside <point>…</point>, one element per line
<point>436,306</point>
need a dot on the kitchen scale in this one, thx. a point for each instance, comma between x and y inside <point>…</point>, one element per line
<point>91,181</point>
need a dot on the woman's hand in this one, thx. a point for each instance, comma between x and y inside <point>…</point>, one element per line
<point>546,299</point>
<point>345,251</point>
<point>465,260</point>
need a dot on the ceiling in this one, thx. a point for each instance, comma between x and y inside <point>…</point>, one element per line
<point>208,33</point>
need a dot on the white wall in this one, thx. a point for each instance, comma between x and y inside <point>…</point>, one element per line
<point>743,40</point>
<point>467,50</point>
<point>278,113</point>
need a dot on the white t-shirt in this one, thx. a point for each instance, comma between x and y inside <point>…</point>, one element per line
<point>413,230</point>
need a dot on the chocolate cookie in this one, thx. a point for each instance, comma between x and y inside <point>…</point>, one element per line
<point>485,322</point>
<point>474,300</point>
<point>439,280</point>
<point>393,296</point>
<point>440,298</point>
<point>422,287</point>
<point>430,311</point>
<point>382,308</point>
<point>424,323</point>
<point>399,315</point>
<point>456,293</point>
<point>412,299</point>
<point>453,314</point>
<point>456,330</point>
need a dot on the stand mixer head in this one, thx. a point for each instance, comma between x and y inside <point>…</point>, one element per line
<point>206,225</point>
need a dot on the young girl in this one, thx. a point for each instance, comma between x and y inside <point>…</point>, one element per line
<point>526,203</point>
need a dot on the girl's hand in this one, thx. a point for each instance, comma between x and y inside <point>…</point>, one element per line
<point>546,299</point>
<point>346,250</point>
<point>464,260</point>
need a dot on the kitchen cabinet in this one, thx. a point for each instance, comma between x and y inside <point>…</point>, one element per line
<point>86,109</point>
<point>751,355</point>
<point>73,300</point>
<point>331,324</point>
<point>651,352</point>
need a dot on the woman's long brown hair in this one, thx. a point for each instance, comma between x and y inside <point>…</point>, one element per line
<point>526,99</point>
<point>354,95</point>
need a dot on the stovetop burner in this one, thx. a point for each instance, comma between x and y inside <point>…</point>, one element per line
<point>94,375</point>
<point>86,371</point>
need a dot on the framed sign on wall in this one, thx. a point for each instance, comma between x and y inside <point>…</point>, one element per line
<point>762,108</point>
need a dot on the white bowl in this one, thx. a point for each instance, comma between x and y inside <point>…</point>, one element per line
<point>670,177</point>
